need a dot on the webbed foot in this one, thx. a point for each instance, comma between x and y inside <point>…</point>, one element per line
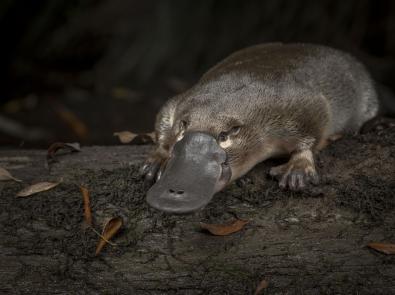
<point>153,167</point>
<point>297,173</point>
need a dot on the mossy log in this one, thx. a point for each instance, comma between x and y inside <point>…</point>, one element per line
<point>312,242</point>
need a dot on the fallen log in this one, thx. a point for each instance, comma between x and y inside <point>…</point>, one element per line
<point>309,242</point>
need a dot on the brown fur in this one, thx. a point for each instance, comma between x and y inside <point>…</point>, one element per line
<point>287,100</point>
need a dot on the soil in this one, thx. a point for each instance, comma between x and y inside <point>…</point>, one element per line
<point>311,242</point>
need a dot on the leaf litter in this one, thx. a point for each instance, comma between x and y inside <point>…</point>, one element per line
<point>56,146</point>
<point>5,175</point>
<point>87,206</point>
<point>112,226</point>
<point>36,188</point>
<point>388,249</point>
<point>125,136</point>
<point>225,229</point>
<point>128,137</point>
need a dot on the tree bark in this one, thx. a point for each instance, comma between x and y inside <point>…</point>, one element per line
<point>312,242</point>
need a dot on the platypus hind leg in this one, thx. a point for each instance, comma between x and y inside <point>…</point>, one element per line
<point>297,172</point>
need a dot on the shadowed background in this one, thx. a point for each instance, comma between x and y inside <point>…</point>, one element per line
<point>80,70</point>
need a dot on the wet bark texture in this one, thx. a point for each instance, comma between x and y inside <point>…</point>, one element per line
<point>305,243</point>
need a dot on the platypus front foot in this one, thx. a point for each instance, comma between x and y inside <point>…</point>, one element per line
<point>153,167</point>
<point>297,173</point>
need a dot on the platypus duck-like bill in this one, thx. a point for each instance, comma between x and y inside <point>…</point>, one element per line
<point>195,171</point>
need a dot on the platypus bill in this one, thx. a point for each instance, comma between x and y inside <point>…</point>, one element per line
<point>265,101</point>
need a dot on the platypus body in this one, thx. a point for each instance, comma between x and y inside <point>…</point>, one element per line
<point>265,101</point>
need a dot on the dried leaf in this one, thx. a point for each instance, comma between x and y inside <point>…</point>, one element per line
<point>142,138</point>
<point>110,229</point>
<point>224,229</point>
<point>87,206</point>
<point>382,247</point>
<point>36,188</point>
<point>72,147</point>
<point>125,136</point>
<point>5,175</point>
<point>262,286</point>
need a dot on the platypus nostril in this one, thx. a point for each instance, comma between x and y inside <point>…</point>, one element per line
<point>179,192</point>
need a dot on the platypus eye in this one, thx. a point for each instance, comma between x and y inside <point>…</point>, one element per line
<point>235,130</point>
<point>222,137</point>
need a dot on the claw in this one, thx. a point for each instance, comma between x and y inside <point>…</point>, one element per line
<point>149,171</point>
<point>294,178</point>
<point>144,169</point>
<point>314,178</point>
<point>301,182</point>
<point>292,181</point>
<point>152,171</point>
<point>158,175</point>
<point>283,181</point>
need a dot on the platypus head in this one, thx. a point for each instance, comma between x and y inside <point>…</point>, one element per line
<point>215,140</point>
<point>196,170</point>
<point>210,151</point>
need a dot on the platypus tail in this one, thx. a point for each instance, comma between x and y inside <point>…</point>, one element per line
<point>386,113</point>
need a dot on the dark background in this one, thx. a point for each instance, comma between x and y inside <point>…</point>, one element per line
<point>80,70</point>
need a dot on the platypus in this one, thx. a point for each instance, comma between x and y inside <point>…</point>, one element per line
<point>265,101</point>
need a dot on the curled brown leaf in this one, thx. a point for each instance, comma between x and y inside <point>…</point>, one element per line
<point>56,146</point>
<point>112,226</point>
<point>87,206</point>
<point>383,248</point>
<point>5,175</point>
<point>224,229</point>
<point>36,188</point>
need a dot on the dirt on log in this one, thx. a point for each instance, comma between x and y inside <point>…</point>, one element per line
<point>312,242</point>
